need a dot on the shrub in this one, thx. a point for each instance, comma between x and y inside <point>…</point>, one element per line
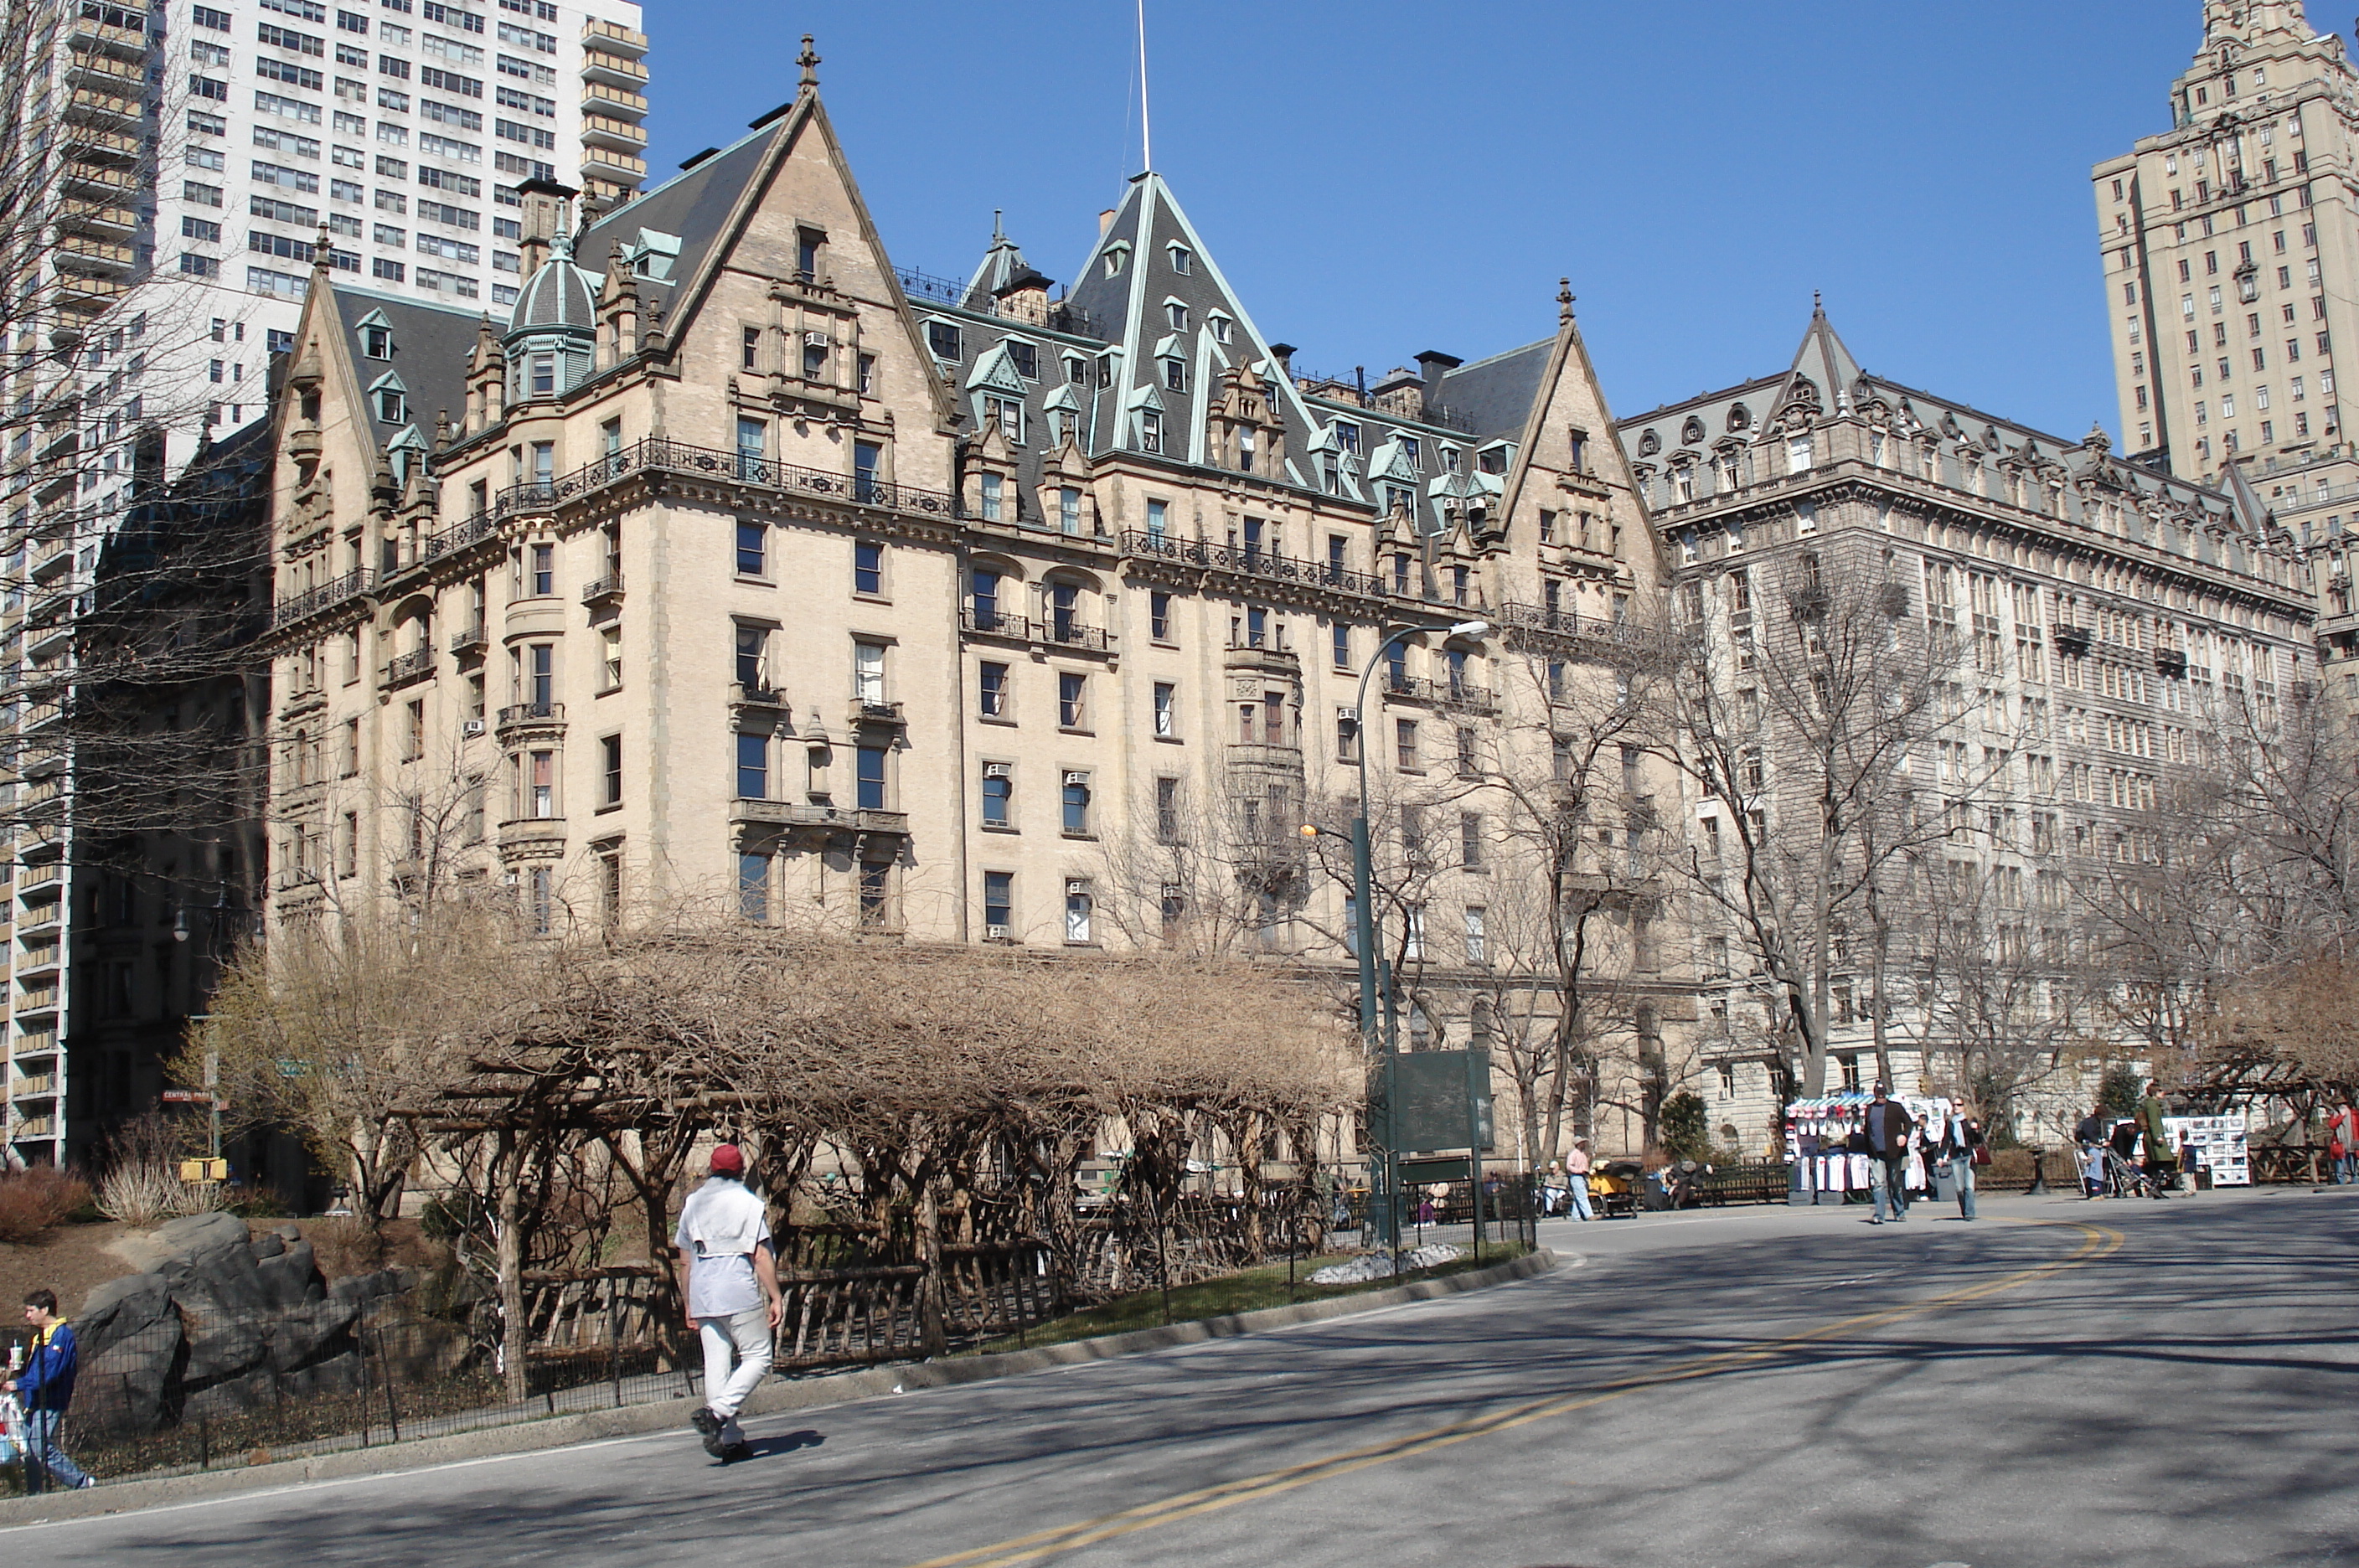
<point>37,1200</point>
<point>1686,1133</point>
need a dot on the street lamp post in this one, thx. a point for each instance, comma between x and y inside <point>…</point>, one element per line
<point>1384,1188</point>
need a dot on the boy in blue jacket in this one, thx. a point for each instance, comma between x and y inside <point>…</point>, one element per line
<point>44,1387</point>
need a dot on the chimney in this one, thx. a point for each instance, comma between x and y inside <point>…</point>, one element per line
<point>543,202</point>
<point>1436,363</point>
<point>1105,222</point>
<point>1284,353</point>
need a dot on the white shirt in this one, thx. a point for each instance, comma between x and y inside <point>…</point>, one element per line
<point>720,1226</point>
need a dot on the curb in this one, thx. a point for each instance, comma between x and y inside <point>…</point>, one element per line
<point>772,1399</point>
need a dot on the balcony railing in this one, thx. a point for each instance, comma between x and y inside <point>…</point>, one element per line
<point>469,639</point>
<point>1462,694</point>
<point>789,813</point>
<point>868,712</point>
<point>607,590</point>
<point>1050,633</point>
<point>1059,316</point>
<point>655,453</point>
<point>312,601</point>
<point>521,715</point>
<point>405,668</point>
<point>1249,562</point>
<point>39,1086</point>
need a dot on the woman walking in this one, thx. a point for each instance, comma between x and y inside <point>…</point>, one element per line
<point>1962,1136</point>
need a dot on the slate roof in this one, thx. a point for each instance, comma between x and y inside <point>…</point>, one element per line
<point>692,206</point>
<point>559,294</point>
<point>1495,394</point>
<point>1747,414</point>
<point>431,346</point>
<point>1116,323</point>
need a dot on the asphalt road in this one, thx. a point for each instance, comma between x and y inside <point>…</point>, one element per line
<point>2160,1384</point>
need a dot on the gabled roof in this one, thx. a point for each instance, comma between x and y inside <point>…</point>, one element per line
<point>1824,361</point>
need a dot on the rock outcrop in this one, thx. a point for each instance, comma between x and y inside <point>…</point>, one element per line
<point>217,1323</point>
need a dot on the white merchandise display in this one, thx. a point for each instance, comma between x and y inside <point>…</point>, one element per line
<point>2217,1145</point>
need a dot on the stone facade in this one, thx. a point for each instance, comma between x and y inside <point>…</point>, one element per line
<point>2106,614</point>
<point>748,571</point>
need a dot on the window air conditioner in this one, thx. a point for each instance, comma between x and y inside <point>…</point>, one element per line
<point>995,933</point>
<point>995,770</point>
<point>1076,778</point>
<point>472,727</point>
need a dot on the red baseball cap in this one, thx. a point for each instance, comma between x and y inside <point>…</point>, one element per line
<point>728,1159</point>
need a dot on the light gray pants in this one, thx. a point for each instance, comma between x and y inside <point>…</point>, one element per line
<point>737,1353</point>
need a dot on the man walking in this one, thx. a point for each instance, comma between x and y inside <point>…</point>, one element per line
<point>1887,1151</point>
<point>727,1268</point>
<point>45,1387</point>
<point>1576,1178</point>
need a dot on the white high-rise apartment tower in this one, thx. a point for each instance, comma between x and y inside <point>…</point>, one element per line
<point>399,128</point>
<point>168,173</point>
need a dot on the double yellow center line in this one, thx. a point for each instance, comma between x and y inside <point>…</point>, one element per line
<point>2098,1241</point>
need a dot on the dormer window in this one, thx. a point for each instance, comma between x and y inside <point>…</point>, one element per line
<point>391,407</point>
<point>1409,447</point>
<point>1182,260</point>
<point>1150,431</point>
<point>377,341</point>
<point>1174,375</point>
<point>1178,314</point>
<point>1449,459</point>
<point>1025,358</point>
<point>943,337</point>
<point>1114,258</point>
<point>1221,326</point>
<point>1347,436</point>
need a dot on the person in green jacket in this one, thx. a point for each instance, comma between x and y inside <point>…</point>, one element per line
<point>2161,1157</point>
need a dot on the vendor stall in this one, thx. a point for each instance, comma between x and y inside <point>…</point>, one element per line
<point>1822,1168</point>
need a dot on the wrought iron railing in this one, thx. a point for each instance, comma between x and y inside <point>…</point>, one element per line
<point>411,666</point>
<point>1250,561</point>
<point>1052,632</point>
<point>312,601</point>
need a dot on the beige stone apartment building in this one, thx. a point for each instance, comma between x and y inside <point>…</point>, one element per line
<point>2231,247</point>
<point>2102,616</point>
<point>741,567</point>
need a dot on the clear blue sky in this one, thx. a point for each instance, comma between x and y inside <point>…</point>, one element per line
<point>1377,179</point>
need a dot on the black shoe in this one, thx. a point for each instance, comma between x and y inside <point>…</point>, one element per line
<point>735,1452</point>
<point>704,1421</point>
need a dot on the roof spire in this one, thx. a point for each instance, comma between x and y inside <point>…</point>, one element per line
<point>809,60</point>
<point>1818,305</point>
<point>998,227</point>
<point>1564,299</point>
<point>322,254</point>
<point>1146,137</point>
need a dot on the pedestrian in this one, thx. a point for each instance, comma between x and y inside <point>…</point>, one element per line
<point>1920,1150</point>
<point>2091,1135</point>
<point>44,1386</point>
<point>1576,1178</point>
<point>1961,1135</point>
<point>1887,1131</point>
<point>2161,1157</point>
<point>727,1268</point>
<point>2343,1144</point>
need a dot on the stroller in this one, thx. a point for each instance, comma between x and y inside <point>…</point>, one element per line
<point>2123,1177</point>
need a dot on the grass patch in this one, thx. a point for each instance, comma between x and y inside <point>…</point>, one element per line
<point>1247,1291</point>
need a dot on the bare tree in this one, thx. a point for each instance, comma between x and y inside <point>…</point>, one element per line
<point>1805,718</point>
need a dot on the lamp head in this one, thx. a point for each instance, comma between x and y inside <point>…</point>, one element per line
<point>1470,629</point>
